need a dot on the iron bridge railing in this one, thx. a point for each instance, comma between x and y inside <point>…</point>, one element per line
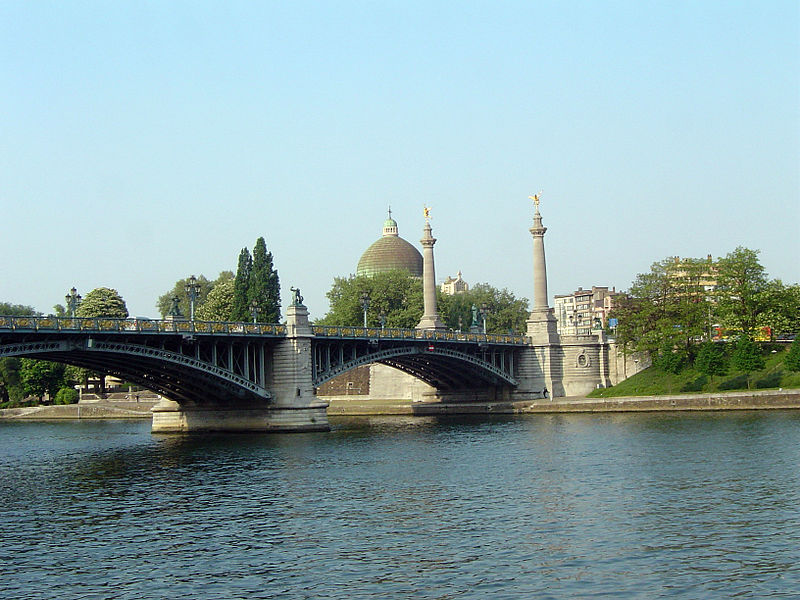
<point>388,333</point>
<point>26,323</point>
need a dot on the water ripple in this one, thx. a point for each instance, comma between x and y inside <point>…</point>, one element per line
<point>565,506</point>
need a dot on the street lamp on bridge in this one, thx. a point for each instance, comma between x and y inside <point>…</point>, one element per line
<point>254,310</point>
<point>485,310</point>
<point>73,300</point>
<point>193,289</point>
<point>365,306</point>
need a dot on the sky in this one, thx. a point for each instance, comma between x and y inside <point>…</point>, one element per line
<point>147,141</point>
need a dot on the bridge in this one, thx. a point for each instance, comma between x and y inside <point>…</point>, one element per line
<point>251,376</point>
<point>220,368</point>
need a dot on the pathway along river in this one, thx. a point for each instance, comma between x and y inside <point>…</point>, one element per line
<point>702,505</point>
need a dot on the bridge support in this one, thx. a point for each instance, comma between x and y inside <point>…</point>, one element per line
<point>293,407</point>
<point>170,417</point>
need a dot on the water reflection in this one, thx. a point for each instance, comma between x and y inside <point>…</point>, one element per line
<point>623,506</point>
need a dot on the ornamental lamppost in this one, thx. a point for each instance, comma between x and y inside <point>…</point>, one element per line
<point>383,319</point>
<point>73,299</point>
<point>193,289</point>
<point>254,310</point>
<point>365,306</point>
<point>484,311</point>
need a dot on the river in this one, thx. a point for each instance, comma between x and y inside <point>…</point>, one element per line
<point>668,505</point>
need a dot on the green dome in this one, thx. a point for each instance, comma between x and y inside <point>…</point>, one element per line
<point>389,253</point>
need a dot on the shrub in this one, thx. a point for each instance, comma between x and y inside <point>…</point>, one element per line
<point>66,395</point>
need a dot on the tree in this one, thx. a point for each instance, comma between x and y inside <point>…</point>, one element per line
<point>506,312</point>
<point>665,308</point>
<point>11,387</point>
<point>781,311</point>
<point>792,361</point>
<point>263,285</point>
<point>164,303</point>
<point>16,310</point>
<point>103,302</point>
<point>40,376</point>
<point>747,357</point>
<point>711,360</point>
<point>742,289</point>
<point>219,302</point>
<point>240,311</point>
<point>395,294</point>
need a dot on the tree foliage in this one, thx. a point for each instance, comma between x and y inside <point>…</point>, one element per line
<point>40,376</point>
<point>394,293</point>
<point>792,361</point>
<point>398,296</point>
<point>219,302</point>
<point>164,303</point>
<point>102,302</point>
<point>711,360</point>
<point>263,286</point>
<point>742,290</point>
<point>665,308</point>
<point>11,387</point>
<point>747,357</point>
<point>506,312</point>
<point>240,311</point>
<point>781,307</point>
<point>7,309</point>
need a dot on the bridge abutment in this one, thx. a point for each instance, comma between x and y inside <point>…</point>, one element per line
<point>294,405</point>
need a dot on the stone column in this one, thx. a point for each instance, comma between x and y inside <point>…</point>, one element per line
<point>542,322</point>
<point>430,317</point>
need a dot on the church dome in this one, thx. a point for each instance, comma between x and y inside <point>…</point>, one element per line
<point>390,252</point>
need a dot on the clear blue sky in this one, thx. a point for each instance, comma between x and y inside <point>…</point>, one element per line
<point>147,141</point>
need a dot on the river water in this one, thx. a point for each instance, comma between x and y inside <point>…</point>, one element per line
<point>700,505</point>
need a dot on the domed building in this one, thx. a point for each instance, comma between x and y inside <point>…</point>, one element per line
<point>390,252</point>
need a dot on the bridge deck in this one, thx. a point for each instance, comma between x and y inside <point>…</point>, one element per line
<point>223,328</point>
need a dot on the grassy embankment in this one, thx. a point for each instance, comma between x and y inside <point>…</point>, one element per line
<point>655,382</point>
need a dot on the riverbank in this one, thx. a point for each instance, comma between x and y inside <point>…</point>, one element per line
<point>359,406</point>
<point>754,400</point>
<point>93,410</point>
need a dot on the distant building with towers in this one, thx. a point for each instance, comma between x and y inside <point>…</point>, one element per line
<point>454,285</point>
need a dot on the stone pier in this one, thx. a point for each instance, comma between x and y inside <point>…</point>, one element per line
<point>293,407</point>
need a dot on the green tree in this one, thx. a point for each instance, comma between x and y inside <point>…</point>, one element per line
<point>506,312</point>
<point>11,387</point>
<point>219,302</point>
<point>17,310</point>
<point>240,310</point>
<point>164,303</point>
<point>40,376</point>
<point>102,302</point>
<point>781,311</point>
<point>264,286</point>
<point>747,357</point>
<point>792,360</point>
<point>711,360</point>
<point>395,294</point>
<point>742,290</point>
<point>665,308</point>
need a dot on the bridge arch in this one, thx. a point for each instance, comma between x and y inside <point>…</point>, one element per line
<point>185,379</point>
<point>446,369</point>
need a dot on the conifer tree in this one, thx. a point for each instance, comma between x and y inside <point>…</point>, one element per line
<point>240,310</point>
<point>264,285</point>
